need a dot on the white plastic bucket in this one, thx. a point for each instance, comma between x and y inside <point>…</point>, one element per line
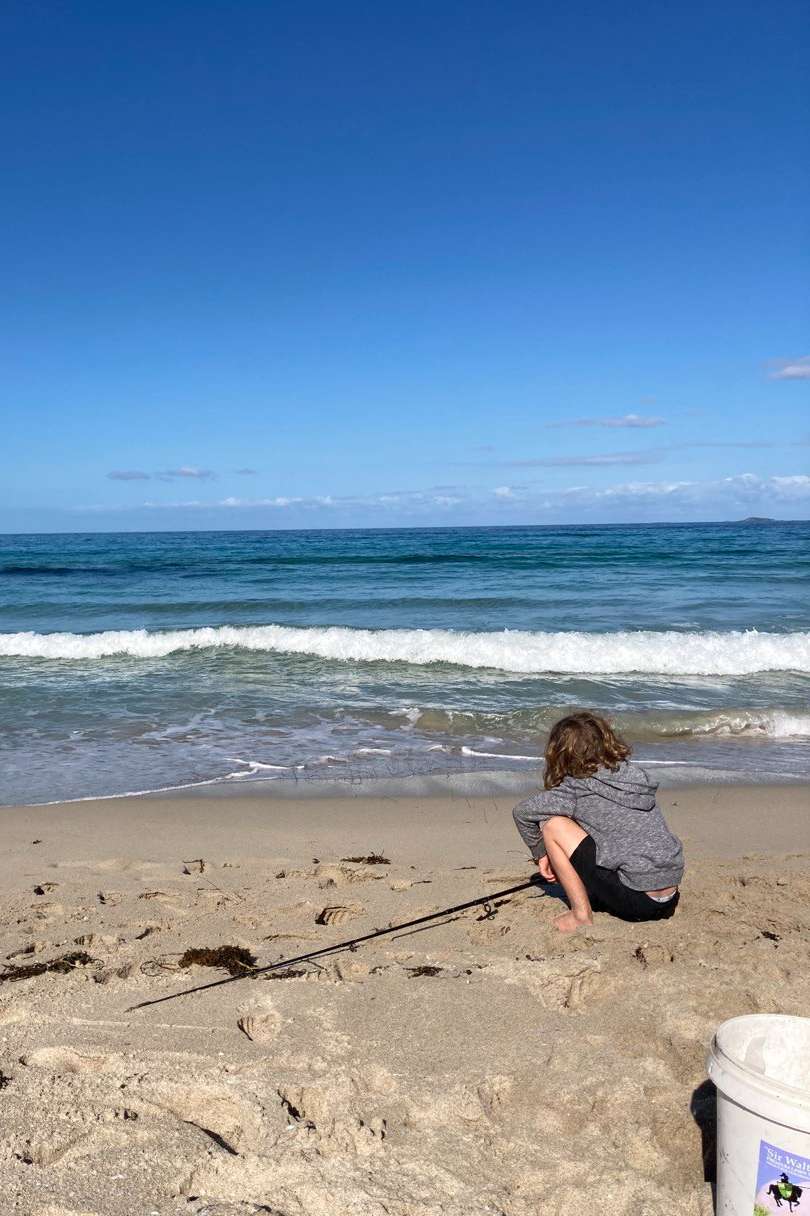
<point>761,1067</point>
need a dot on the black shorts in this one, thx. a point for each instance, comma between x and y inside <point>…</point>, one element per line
<point>608,893</point>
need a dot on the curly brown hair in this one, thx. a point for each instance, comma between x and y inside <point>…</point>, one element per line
<point>579,744</point>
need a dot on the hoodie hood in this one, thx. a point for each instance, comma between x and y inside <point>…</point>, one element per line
<point>629,787</point>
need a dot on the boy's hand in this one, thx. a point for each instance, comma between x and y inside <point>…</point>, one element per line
<point>546,872</point>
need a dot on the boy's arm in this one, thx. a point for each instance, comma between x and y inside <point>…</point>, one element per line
<point>532,813</point>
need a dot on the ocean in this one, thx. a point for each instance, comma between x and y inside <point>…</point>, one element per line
<point>148,661</point>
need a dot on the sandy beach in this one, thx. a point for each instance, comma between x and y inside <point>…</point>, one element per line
<point>482,1065</point>
<point>405,407</point>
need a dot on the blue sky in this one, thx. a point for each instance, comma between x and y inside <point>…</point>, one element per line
<point>286,265</point>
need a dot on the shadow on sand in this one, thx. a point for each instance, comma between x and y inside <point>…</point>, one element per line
<point>703,1108</point>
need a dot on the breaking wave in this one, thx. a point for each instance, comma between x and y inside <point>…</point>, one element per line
<point>643,651</point>
<point>649,726</point>
<point>750,723</point>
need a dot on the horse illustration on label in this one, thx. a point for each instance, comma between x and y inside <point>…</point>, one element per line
<point>785,1191</point>
<point>782,1178</point>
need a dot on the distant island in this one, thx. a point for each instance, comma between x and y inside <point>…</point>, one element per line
<point>758,519</point>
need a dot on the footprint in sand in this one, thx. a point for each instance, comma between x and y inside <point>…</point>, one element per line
<point>98,939</point>
<point>64,1060</point>
<point>34,947</point>
<point>233,1124</point>
<point>47,1152</point>
<point>582,987</point>
<point>488,932</point>
<point>109,899</point>
<point>335,915</point>
<point>338,875</point>
<point>259,1020</point>
<point>653,955</point>
<point>167,903</point>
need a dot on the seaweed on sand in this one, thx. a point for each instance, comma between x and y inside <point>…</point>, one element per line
<point>62,965</point>
<point>236,960</point>
<point>370,859</point>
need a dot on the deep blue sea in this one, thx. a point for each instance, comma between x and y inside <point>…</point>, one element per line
<point>133,662</point>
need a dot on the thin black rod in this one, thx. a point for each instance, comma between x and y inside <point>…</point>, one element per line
<point>347,945</point>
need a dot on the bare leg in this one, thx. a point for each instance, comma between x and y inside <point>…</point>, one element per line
<point>561,836</point>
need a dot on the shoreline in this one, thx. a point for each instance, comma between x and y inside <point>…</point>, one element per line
<point>503,783</point>
<point>728,820</point>
<point>459,1070</point>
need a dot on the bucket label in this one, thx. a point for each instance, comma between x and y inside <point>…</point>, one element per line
<point>782,1177</point>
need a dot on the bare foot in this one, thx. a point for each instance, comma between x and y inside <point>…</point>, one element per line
<point>569,922</point>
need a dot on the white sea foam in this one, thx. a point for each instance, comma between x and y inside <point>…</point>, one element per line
<point>773,723</point>
<point>470,751</point>
<point>666,652</point>
<point>787,726</point>
<point>254,766</point>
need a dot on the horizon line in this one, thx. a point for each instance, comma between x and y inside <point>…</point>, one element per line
<point>658,523</point>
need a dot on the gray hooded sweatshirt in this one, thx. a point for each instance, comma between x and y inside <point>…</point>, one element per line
<point>618,809</point>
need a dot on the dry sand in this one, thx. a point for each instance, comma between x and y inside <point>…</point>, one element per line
<point>522,1074</point>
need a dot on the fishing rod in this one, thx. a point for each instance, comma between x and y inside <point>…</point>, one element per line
<point>351,944</point>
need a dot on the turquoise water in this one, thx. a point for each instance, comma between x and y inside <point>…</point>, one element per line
<point>146,661</point>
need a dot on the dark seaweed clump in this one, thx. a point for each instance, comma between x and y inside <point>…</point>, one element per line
<point>371,859</point>
<point>62,966</point>
<point>236,960</point>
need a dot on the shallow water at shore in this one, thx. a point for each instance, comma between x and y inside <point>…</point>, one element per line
<point>144,662</point>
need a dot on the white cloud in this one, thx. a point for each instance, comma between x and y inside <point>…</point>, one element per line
<point>632,421</point>
<point>792,369</point>
<point>650,456</point>
<point>192,504</point>
<point>717,498</point>
<point>797,486</point>
<point>280,501</point>
<point>742,488</point>
<point>187,471</point>
<point>645,489</point>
